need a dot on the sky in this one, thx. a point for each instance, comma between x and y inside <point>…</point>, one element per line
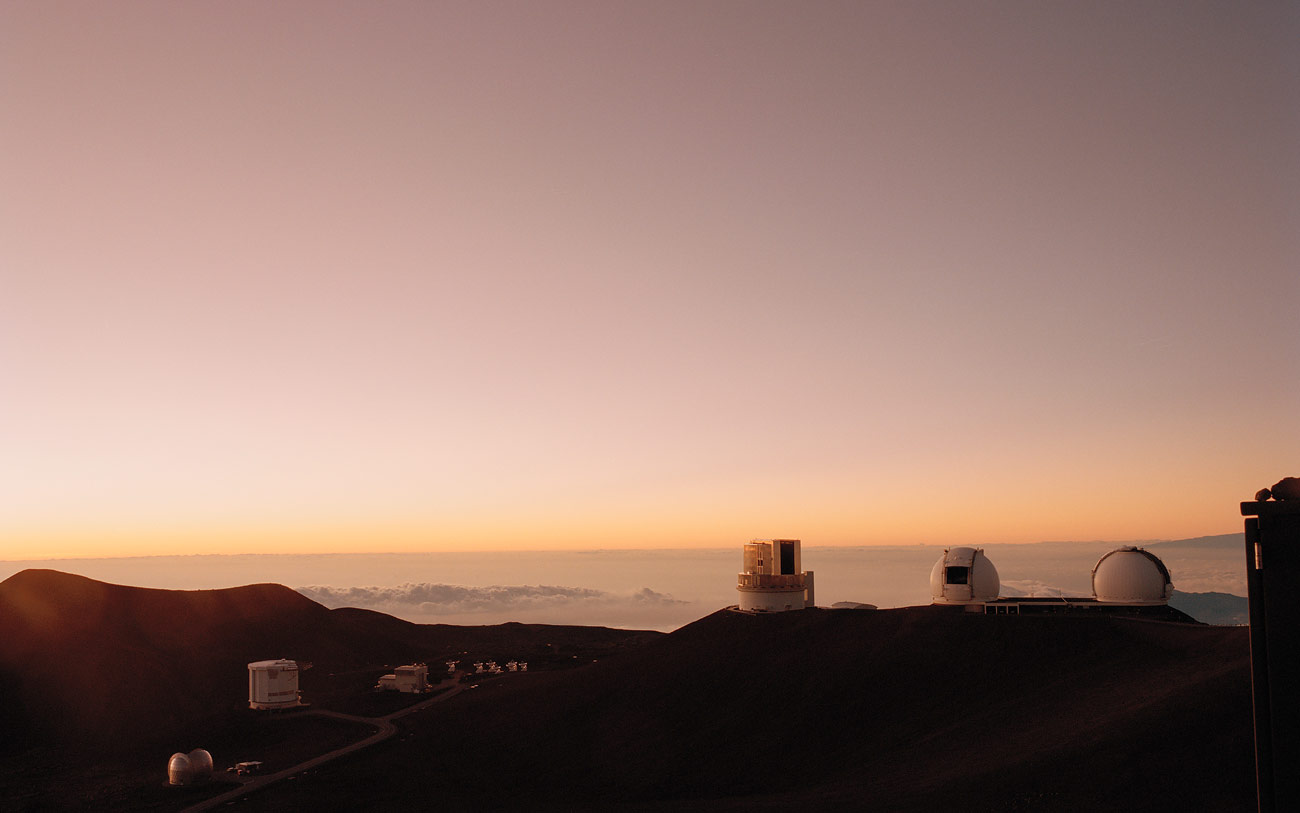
<point>357,277</point>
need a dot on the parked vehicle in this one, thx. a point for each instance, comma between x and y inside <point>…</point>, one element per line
<point>241,768</point>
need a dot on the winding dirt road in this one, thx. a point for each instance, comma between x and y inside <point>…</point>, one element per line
<point>386,730</point>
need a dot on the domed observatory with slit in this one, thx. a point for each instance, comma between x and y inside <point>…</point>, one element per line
<point>964,576</point>
<point>1133,576</point>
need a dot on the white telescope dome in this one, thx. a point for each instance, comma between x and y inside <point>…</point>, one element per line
<point>1131,575</point>
<point>200,763</point>
<point>179,770</point>
<point>964,575</point>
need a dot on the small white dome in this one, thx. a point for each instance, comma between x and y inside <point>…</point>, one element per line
<point>179,770</point>
<point>1131,575</point>
<point>964,575</point>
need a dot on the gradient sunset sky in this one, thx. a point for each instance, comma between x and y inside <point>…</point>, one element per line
<point>406,276</point>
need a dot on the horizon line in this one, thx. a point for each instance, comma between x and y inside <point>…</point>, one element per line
<point>1150,541</point>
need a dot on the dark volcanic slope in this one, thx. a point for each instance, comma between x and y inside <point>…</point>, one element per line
<point>81,660</point>
<point>1213,608</point>
<point>920,708</point>
<point>108,662</point>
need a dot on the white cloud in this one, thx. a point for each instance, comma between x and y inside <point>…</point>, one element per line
<point>1037,589</point>
<point>446,602</point>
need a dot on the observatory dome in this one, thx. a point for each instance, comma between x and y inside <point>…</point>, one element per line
<point>1131,575</point>
<point>200,764</point>
<point>179,770</point>
<point>964,575</point>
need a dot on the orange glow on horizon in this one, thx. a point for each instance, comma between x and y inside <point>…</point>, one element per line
<point>912,522</point>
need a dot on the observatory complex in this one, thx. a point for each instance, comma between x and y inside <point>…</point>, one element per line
<point>273,684</point>
<point>410,679</point>
<point>1128,581</point>
<point>189,769</point>
<point>771,579</point>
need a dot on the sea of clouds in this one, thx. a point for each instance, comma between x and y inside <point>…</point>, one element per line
<point>459,604</point>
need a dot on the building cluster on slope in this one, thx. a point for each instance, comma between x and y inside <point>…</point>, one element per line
<point>772,579</point>
<point>1127,579</point>
<point>492,668</point>
<point>410,679</point>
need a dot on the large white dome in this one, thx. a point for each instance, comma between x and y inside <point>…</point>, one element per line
<point>964,575</point>
<point>1131,575</point>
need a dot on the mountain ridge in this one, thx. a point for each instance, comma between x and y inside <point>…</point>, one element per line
<point>113,663</point>
<point>906,709</point>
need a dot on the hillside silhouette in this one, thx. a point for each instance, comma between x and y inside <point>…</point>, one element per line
<point>910,709</point>
<point>87,661</point>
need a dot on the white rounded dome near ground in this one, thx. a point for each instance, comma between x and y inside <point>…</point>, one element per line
<point>191,768</point>
<point>179,769</point>
<point>963,576</point>
<point>1131,575</point>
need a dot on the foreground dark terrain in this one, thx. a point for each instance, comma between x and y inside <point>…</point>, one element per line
<point>100,683</point>
<point>912,709</point>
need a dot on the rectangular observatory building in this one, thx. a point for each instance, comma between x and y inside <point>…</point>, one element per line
<point>772,578</point>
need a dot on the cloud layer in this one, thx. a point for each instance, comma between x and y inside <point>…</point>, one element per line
<point>1035,588</point>
<point>431,600</point>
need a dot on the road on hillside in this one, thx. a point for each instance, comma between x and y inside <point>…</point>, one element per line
<point>386,730</point>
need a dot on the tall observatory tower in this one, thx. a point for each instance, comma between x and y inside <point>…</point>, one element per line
<point>771,580</point>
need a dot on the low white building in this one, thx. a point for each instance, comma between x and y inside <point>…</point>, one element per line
<point>412,679</point>
<point>772,578</point>
<point>273,684</point>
